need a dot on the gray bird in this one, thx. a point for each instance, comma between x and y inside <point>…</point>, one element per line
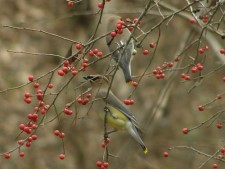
<point>116,42</point>
<point>118,116</point>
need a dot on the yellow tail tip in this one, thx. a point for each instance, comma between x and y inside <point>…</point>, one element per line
<point>145,151</point>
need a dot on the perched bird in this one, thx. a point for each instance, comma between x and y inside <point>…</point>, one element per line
<point>116,114</point>
<point>115,40</point>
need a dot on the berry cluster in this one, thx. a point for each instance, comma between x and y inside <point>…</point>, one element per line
<point>105,142</point>
<point>102,165</point>
<point>95,52</point>
<point>128,101</point>
<point>158,71</point>
<point>85,100</point>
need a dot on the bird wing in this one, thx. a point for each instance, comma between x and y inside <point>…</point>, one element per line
<point>117,104</point>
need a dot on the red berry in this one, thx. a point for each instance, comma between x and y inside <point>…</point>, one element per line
<point>126,102</point>
<point>120,31</point>
<point>99,54</point>
<point>62,135</point>
<point>91,54</point>
<point>107,140</point>
<point>39,91</point>
<point>36,85</point>
<point>74,72</point>
<point>70,4</point>
<point>162,76</point>
<point>187,77</point>
<point>222,150</point>
<point>165,154</point>
<point>61,72</point>
<point>31,78</point>
<point>66,63</point>
<point>57,132</point>
<point>106,164</point>
<point>80,100</point>
<point>30,139</point>
<point>61,156</point>
<point>119,26</point>
<point>27,100</point>
<point>34,137</point>
<point>85,101</point>
<point>27,130</point>
<point>199,67</point>
<point>192,20</point>
<point>95,51</point>
<point>135,20</point>
<point>65,69</point>
<point>43,111</point>
<point>135,84</point>
<point>215,165</point>
<point>219,97</point>
<point>170,64</point>
<point>201,108</point>
<point>20,142</point>
<point>78,46</point>
<point>28,144</point>
<point>222,51</point>
<point>50,85</point>
<point>98,163</point>
<point>219,125</point>
<point>145,52</point>
<point>152,45</point>
<point>205,19</point>
<point>185,130</point>
<point>194,69</point>
<point>132,102</point>
<point>206,48</point>
<point>7,155</point>
<point>21,154</point>
<point>84,65</point>
<point>89,95</point>
<point>26,95</point>
<point>21,126</point>
<point>34,126</point>
<point>41,103</point>
<point>113,34</point>
<point>85,60</point>
<point>39,96</point>
<point>100,5</point>
<point>68,111</point>
<point>200,50</point>
<point>103,145</point>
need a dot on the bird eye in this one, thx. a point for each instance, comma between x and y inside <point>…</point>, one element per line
<point>91,78</point>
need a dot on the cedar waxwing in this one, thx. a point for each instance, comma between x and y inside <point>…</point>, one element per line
<point>117,115</point>
<point>118,41</point>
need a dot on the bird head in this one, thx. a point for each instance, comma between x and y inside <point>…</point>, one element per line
<point>97,80</point>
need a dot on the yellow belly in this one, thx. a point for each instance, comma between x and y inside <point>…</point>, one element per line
<point>115,118</point>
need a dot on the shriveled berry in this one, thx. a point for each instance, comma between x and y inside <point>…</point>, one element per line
<point>201,108</point>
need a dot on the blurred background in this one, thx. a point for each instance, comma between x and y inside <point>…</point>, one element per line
<point>163,107</point>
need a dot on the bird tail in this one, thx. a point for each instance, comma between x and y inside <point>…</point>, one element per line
<point>134,133</point>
